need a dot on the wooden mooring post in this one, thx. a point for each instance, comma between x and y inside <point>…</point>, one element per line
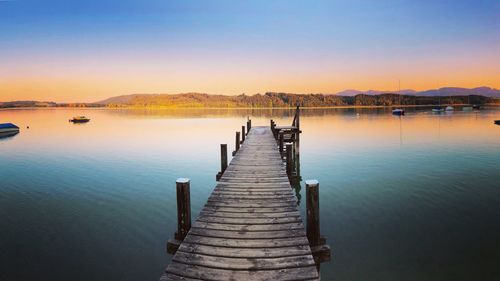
<point>183,214</point>
<point>223,161</point>
<point>237,143</point>
<point>243,134</point>
<point>319,249</point>
<point>249,125</point>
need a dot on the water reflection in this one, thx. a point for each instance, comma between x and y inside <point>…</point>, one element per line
<point>421,189</point>
<point>6,135</point>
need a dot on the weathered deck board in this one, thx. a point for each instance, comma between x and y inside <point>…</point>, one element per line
<point>250,228</point>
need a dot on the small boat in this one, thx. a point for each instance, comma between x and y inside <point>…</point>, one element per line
<point>398,111</point>
<point>438,109</point>
<point>449,108</point>
<point>79,119</point>
<point>497,122</point>
<point>476,106</point>
<point>467,108</point>
<point>8,128</point>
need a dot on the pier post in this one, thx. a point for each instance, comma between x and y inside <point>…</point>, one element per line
<point>183,214</point>
<point>237,143</point>
<point>289,163</point>
<point>281,134</point>
<point>321,251</point>
<point>242,134</point>
<point>223,161</point>
<point>249,124</point>
<point>312,207</point>
<point>273,129</point>
<point>297,134</point>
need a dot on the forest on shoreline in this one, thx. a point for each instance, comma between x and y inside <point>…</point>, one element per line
<point>267,100</point>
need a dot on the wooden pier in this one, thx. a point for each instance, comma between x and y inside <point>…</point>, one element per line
<point>250,227</point>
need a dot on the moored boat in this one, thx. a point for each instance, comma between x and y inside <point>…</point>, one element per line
<point>449,108</point>
<point>79,119</point>
<point>438,109</point>
<point>8,128</point>
<point>398,111</point>
<point>497,122</point>
<point>467,108</point>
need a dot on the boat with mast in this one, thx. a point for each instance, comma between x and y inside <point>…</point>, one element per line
<point>438,109</point>
<point>399,111</point>
<point>468,107</point>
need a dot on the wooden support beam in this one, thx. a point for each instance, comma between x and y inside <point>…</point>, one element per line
<point>297,133</point>
<point>281,138</point>
<point>223,161</point>
<point>183,214</point>
<point>249,124</point>
<point>243,134</point>
<point>289,163</point>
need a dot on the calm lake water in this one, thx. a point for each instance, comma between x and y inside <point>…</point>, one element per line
<point>412,198</point>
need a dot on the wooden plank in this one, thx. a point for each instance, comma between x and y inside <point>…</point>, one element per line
<point>216,274</point>
<point>243,263</point>
<point>248,227</point>
<point>245,252</point>
<point>244,215</point>
<point>239,204</point>
<point>248,234</point>
<point>246,243</point>
<point>279,197</point>
<point>248,221</point>
<point>250,210</point>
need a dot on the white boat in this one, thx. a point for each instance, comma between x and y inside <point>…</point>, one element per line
<point>438,109</point>
<point>467,108</point>
<point>8,128</point>
<point>398,111</point>
<point>449,108</point>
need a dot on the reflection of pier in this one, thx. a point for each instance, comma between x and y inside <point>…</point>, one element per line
<point>250,228</point>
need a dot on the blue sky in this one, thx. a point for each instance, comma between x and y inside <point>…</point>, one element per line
<point>92,47</point>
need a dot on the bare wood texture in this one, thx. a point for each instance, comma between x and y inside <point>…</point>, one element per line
<point>250,227</point>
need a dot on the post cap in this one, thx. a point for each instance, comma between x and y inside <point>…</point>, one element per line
<point>312,182</point>
<point>182,180</point>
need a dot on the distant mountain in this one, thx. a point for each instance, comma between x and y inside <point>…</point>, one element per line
<point>352,92</point>
<point>123,99</point>
<point>447,91</point>
<point>455,91</point>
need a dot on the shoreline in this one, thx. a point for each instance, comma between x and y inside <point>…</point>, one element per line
<point>253,108</point>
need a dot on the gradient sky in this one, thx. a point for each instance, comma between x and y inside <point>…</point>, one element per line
<point>62,50</point>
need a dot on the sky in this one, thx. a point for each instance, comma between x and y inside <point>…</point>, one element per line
<point>86,51</point>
